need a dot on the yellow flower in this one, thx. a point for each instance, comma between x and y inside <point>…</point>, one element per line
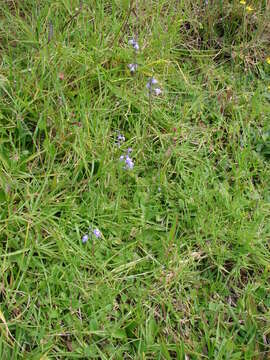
<point>242,2</point>
<point>268,87</point>
<point>268,60</point>
<point>249,8</point>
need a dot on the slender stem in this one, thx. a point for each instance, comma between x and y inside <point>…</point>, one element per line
<point>150,102</point>
<point>74,16</point>
<point>123,24</point>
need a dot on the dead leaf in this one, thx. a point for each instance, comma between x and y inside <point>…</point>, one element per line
<point>69,345</point>
<point>5,330</point>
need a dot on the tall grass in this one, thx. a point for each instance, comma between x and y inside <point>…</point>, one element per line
<point>176,260</point>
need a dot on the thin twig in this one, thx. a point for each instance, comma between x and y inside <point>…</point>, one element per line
<point>124,24</point>
<point>150,102</point>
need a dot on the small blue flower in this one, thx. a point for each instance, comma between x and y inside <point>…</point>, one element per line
<point>136,47</point>
<point>157,91</point>
<point>134,44</point>
<point>129,163</point>
<point>151,86</point>
<point>133,67</point>
<point>92,232</point>
<point>85,238</point>
<point>152,81</point>
<point>120,139</point>
<point>97,233</point>
<point>131,42</point>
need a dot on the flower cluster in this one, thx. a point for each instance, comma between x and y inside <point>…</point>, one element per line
<point>152,87</point>
<point>120,139</point>
<point>134,44</point>
<point>129,163</point>
<point>92,232</point>
<point>133,66</point>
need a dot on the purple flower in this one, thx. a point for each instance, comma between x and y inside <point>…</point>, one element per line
<point>157,91</point>
<point>152,81</point>
<point>134,44</point>
<point>133,67</point>
<point>129,150</point>
<point>136,47</point>
<point>120,138</point>
<point>85,238</point>
<point>151,86</point>
<point>129,163</point>
<point>92,232</point>
<point>97,233</point>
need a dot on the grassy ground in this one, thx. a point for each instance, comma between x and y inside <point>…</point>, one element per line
<point>182,268</point>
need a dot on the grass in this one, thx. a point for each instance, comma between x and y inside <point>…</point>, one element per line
<point>182,268</point>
